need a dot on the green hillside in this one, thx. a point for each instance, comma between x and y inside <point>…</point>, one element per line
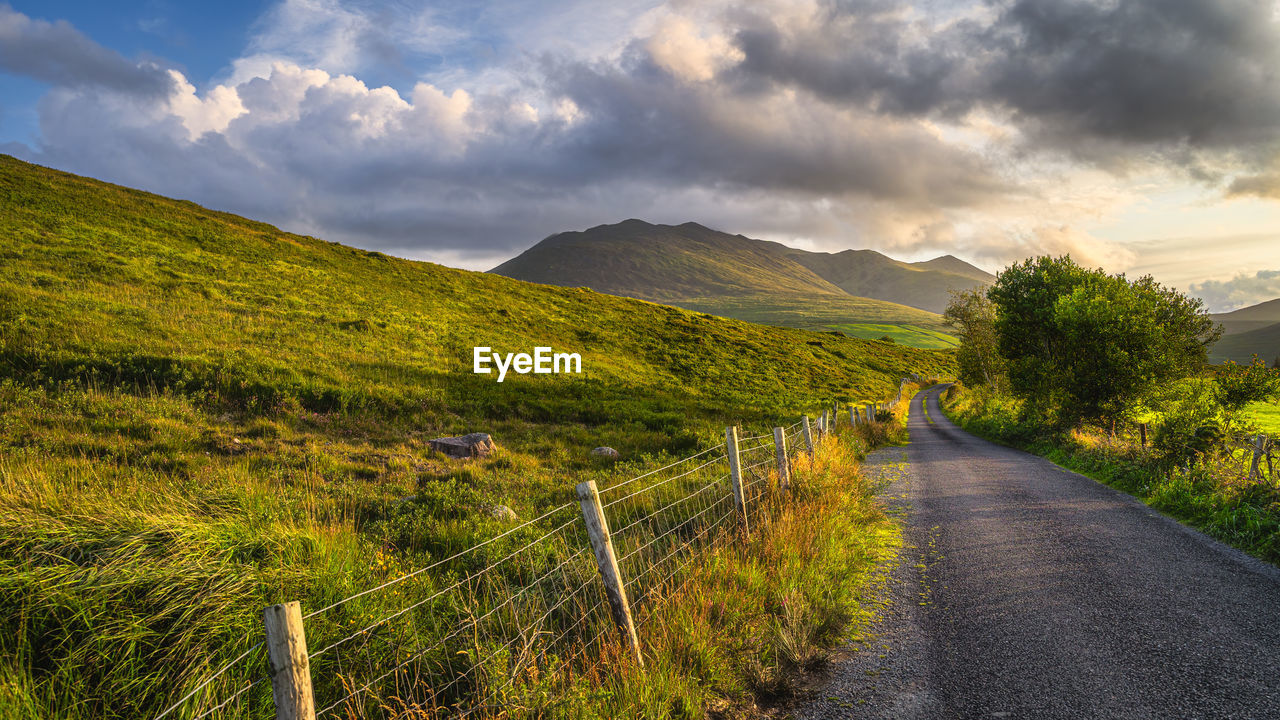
<point>908,335</point>
<point>663,263</point>
<point>203,415</point>
<point>1242,346</point>
<point>926,285</point>
<point>1254,317</point>
<point>734,276</point>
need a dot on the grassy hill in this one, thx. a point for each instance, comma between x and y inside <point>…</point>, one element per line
<point>734,276</point>
<point>203,415</point>
<point>1254,317</point>
<point>867,273</point>
<point>1242,346</point>
<point>1254,330</point>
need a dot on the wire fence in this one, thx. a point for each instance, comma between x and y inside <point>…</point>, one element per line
<point>514,620</point>
<point>1250,457</point>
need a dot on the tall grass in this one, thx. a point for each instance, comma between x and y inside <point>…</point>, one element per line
<point>201,416</point>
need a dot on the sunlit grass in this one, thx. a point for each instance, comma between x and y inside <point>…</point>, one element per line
<point>1266,416</point>
<point>203,415</point>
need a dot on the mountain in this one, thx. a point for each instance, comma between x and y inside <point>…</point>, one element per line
<point>663,263</point>
<point>696,267</point>
<point>867,273</point>
<point>1254,317</point>
<point>1249,331</point>
<point>1241,347</point>
<point>955,266</point>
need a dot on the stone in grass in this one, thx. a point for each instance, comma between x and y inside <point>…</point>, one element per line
<point>472,445</point>
<point>605,452</point>
<point>502,512</point>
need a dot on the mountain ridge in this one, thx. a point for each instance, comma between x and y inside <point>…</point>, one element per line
<point>1249,331</point>
<point>693,265</point>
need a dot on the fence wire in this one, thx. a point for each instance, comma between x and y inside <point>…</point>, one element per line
<point>510,621</point>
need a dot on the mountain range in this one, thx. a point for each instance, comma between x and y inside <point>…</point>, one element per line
<point>1254,330</point>
<point>859,291</point>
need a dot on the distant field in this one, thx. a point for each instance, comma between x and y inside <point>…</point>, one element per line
<point>1267,416</point>
<point>909,335</point>
<point>815,312</point>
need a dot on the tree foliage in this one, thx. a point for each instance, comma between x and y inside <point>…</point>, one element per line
<point>1239,385</point>
<point>973,316</point>
<point>1086,346</point>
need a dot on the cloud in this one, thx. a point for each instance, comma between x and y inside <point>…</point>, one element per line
<point>1240,291</point>
<point>978,128</point>
<point>1091,77</point>
<point>1263,185</point>
<point>678,47</point>
<point>58,54</point>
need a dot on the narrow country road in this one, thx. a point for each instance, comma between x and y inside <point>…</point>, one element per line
<point>1027,591</point>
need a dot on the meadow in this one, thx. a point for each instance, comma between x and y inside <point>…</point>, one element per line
<point>909,335</point>
<point>1266,416</point>
<point>203,415</point>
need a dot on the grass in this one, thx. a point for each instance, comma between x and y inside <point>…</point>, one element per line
<point>751,617</point>
<point>204,415</point>
<point>1266,416</point>
<point>756,615</point>
<point>1212,496</point>
<point>909,335</point>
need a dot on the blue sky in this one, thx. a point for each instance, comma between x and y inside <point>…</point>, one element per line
<point>1138,135</point>
<point>199,38</point>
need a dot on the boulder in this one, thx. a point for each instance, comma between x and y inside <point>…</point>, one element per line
<point>472,445</point>
<point>605,452</point>
<point>502,512</point>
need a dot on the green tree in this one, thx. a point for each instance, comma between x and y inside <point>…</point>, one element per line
<point>973,316</point>
<point>1239,385</point>
<point>1086,346</point>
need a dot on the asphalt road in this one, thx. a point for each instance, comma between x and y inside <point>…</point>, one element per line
<point>1028,591</point>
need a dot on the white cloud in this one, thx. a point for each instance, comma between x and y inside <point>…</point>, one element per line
<point>1240,291</point>
<point>677,46</point>
<point>830,124</point>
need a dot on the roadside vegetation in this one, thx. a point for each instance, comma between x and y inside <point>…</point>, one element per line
<point>202,415</point>
<point>756,616</point>
<point>1073,364</point>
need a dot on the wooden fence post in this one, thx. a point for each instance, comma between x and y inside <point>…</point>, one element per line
<point>853,415</point>
<point>780,448</point>
<point>598,531</point>
<point>808,437</point>
<point>735,475</point>
<point>290,668</point>
<point>823,424</point>
<point>1259,443</point>
<point>871,414</point>
<point>1142,431</point>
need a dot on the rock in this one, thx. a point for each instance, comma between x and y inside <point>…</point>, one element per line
<point>502,512</point>
<point>472,445</point>
<point>605,452</point>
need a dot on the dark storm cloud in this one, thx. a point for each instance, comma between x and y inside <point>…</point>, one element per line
<point>1194,72</point>
<point>59,54</point>
<point>644,125</point>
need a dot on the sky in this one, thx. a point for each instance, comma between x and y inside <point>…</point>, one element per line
<point>1141,136</point>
